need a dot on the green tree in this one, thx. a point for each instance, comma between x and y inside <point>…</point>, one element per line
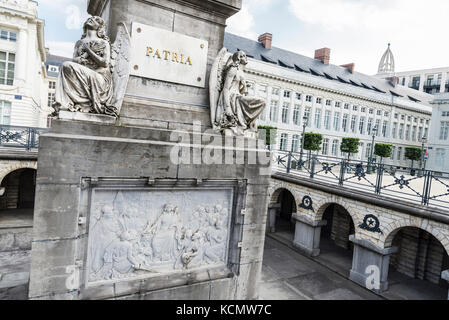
<point>350,145</point>
<point>268,133</point>
<point>413,153</point>
<point>383,150</point>
<point>312,141</point>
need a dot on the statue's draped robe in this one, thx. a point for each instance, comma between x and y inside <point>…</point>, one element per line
<point>245,109</point>
<point>85,88</point>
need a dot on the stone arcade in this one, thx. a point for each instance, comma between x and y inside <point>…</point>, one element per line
<point>115,217</point>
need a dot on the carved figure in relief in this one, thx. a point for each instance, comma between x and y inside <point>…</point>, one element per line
<point>119,247</point>
<point>95,81</point>
<point>232,111</point>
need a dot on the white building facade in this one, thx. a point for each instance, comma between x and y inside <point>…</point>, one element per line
<point>438,149</point>
<point>337,102</point>
<point>23,90</point>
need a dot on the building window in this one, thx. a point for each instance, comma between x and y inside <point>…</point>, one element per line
<point>283,142</point>
<point>426,131</point>
<point>7,61</point>
<point>328,102</point>
<point>363,109</point>
<point>336,121</point>
<point>371,111</point>
<point>295,140</point>
<point>393,151</point>
<point>368,150</point>
<point>334,147</point>
<point>317,118</point>
<point>285,108</point>
<point>369,126</point>
<point>396,116</point>
<point>5,112</point>
<point>318,100</point>
<point>286,94</point>
<point>444,130</point>
<point>440,157</point>
<point>275,91</point>
<point>355,108</point>
<point>401,131</point>
<point>51,98</point>
<point>414,133</point>
<point>362,125</point>
<point>377,127</point>
<point>379,112</point>
<point>386,114</point>
<point>399,153</point>
<point>309,98</point>
<point>346,106</point>
<point>409,118</point>
<point>419,133</point>
<point>384,129</point>
<point>298,96</point>
<point>274,111</point>
<point>344,123</point>
<point>8,35</point>
<point>325,146</point>
<point>407,132</point>
<point>394,130</point>
<point>52,85</point>
<point>402,117</point>
<point>307,115</point>
<point>353,122</point>
<point>327,120</point>
<point>296,114</point>
<point>337,104</point>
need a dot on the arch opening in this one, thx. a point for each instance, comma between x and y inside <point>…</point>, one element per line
<point>284,226</point>
<point>335,246</point>
<point>415,269</point>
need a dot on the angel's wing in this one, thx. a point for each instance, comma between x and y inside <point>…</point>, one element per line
<point>216,83</point>
<point>120,57</point>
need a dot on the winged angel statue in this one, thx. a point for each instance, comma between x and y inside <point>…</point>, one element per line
<point>95,81</point>
<point>232,111</point>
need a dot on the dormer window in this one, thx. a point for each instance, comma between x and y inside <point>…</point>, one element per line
<point>53,68</point>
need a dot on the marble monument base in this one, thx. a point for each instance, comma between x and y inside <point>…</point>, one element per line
<point>116,218</point>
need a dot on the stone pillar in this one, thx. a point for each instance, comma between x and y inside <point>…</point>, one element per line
<point>21,58</point>
<point>273,209</point>
<point>307,235</point>
<point>370,264</point>
<point>445,276</point>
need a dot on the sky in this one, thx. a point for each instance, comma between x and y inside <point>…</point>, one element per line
<point>357,31</point>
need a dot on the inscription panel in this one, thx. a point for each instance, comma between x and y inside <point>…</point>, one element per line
<point>168,56</point>
<point>146,231</point>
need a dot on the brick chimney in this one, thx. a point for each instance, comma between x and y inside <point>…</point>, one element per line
<point>349,66</point>
<point>323,54</point>
<point>266,39</point>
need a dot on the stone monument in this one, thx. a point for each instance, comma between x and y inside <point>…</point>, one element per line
<point>139,195</point>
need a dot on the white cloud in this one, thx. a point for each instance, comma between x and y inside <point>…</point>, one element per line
<point>59,48</point>
<point>74,17</point>
<point>243,22</point>
<point>361,30</point>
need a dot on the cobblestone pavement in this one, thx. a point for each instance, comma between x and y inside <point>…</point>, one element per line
<point>287,275</point>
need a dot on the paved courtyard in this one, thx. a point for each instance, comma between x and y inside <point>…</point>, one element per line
<point>288,275</point>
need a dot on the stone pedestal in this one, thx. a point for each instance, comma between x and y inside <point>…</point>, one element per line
<point>273,209</point>
<point>151,206</point>
<point>307,235</point>
<point>370,265</point>
<point>445,276</point>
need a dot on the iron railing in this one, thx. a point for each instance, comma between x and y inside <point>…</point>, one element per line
<point>411,184</point>
<point>20,137</point>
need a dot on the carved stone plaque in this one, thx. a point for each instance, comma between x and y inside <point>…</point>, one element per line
<point>168,56</point>
<point>141,231</point>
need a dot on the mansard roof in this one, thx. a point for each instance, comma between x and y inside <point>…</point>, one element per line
<point>353,83</point>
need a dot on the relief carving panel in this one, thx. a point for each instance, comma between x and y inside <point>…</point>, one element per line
<point>140,232</point>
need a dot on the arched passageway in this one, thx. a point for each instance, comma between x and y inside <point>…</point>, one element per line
<point>415,269</point>
<point>280,214</point>
<point>19,189</point>
<point>335,247</point>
